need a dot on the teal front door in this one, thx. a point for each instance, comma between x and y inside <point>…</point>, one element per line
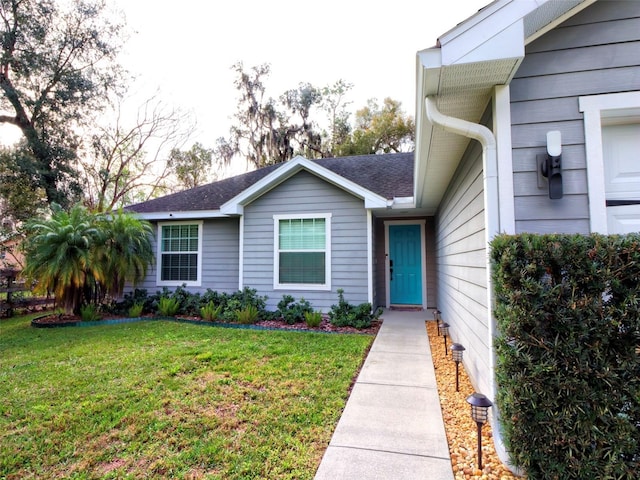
<point>405,265</point>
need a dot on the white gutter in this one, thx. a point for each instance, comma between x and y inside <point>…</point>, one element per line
<point>492,221</point>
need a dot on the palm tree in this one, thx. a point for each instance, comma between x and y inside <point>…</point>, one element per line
<point>125,252</point>
<point>59,255</point>
<point>80,256</point>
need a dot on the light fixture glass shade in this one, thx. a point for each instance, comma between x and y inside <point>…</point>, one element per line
<point>457,352</point>
<point>479,407</point>
<point>444,327</point>
<point>554,143</point>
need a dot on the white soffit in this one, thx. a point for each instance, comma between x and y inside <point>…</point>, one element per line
<point>461,72</point>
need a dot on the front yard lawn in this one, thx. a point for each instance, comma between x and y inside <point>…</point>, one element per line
<point>168,400</point>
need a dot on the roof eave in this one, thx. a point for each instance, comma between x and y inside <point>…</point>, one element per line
<point>468,62</point>
<point>181,215</point>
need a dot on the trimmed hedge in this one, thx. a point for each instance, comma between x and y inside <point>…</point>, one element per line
<point>568,369</point>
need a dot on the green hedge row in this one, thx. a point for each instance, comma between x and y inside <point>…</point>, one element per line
<point>568,369</point>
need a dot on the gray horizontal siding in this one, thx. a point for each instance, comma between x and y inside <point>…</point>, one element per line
<point>461,257</point>
<point>220,258</point>
<point>301,194</point>
<point>595,52</point>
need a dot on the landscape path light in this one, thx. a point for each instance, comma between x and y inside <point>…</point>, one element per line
<point>480,413</point>
<point>457,352</point>
<point>438,319</point>
<point>445,332</point>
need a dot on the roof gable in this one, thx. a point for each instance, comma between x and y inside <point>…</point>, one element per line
<point>273,179</point>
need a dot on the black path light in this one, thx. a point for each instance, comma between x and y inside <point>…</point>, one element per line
<point>457,352</point>
<point>438,319</point>
<point>445,332</point>
<point>480,413</point>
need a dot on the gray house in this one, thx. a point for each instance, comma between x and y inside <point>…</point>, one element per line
<point>304,228</point>
<point>527,120</point>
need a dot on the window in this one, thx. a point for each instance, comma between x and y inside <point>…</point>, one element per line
<point>179,253</point>
<point>302,251</point>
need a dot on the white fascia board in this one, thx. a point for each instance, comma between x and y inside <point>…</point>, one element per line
<point>428,72</point>
<point>189,215</point>
<point>236,204</point>
<point>402,202</point>
<point>508,43</point>
<point>493,33</point>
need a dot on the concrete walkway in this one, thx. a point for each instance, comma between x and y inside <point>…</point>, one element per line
<point>392,426</point>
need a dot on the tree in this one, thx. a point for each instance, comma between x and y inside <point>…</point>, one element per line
<point>124,251</point>
<point>21,196</point>
<point>126,161</point>
<point>269,131</point>
<point>59,256</point>
<point>191,167</point>
<point>380,130</point>
<point>80,256</point>
<point>334,104</point>
<point>58,63</point>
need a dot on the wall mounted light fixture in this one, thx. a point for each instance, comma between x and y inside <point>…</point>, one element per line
<point>550,165</point>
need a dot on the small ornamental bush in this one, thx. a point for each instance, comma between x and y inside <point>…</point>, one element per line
<point>168,306</point>
<point>248,315</point>
<point>291,311</point>
<point>135,310</point>
<point>210,311</point>
<point>313,319</point>
<point>89,313</point>
<point>346,315</point>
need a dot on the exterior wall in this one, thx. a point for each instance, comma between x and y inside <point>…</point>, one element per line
<point>379,261</point>
<point>301,194</point>
<point>379,264</point>
<point>595,52</point>
<point>220,258</point>
<point>461,258</point>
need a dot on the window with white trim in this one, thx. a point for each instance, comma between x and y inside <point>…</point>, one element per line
<point>179,253</point>
<point>302,256</point>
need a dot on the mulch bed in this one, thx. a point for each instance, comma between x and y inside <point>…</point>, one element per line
<point>325,326</point>
<point>460,428</point>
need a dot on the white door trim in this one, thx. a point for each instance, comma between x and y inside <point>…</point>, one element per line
<point>595,109</point>
<point>423,257</point>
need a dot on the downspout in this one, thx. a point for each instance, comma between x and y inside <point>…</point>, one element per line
<point>492,221</point>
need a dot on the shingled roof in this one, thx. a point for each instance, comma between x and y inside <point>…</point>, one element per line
<point>389,175</point>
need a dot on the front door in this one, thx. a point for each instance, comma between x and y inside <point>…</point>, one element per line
<point>405,265</point>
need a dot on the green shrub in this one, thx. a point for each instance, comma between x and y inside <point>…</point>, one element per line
<point>90,313</point>
<point>568,318</point>
<point>291,311</point>
<point>313,319</point>
<point>168,306</point>
<point>346,315</point>
<point>248,315</point>
<point>135,310</point>
<point>210,311</point>
<point>135,297</point>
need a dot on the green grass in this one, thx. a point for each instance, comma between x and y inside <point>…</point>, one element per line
<point>168,400</point>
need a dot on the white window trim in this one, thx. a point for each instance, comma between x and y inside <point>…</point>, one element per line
<point>174,283</point>
<point>596,109</point>
<point>276,256</point>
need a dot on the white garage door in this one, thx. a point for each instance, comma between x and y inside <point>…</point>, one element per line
<point>621,155</point>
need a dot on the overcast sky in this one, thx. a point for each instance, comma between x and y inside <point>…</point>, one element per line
<point>186,48</point>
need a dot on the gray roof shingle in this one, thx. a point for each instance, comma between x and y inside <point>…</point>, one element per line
<point>389,175</point>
